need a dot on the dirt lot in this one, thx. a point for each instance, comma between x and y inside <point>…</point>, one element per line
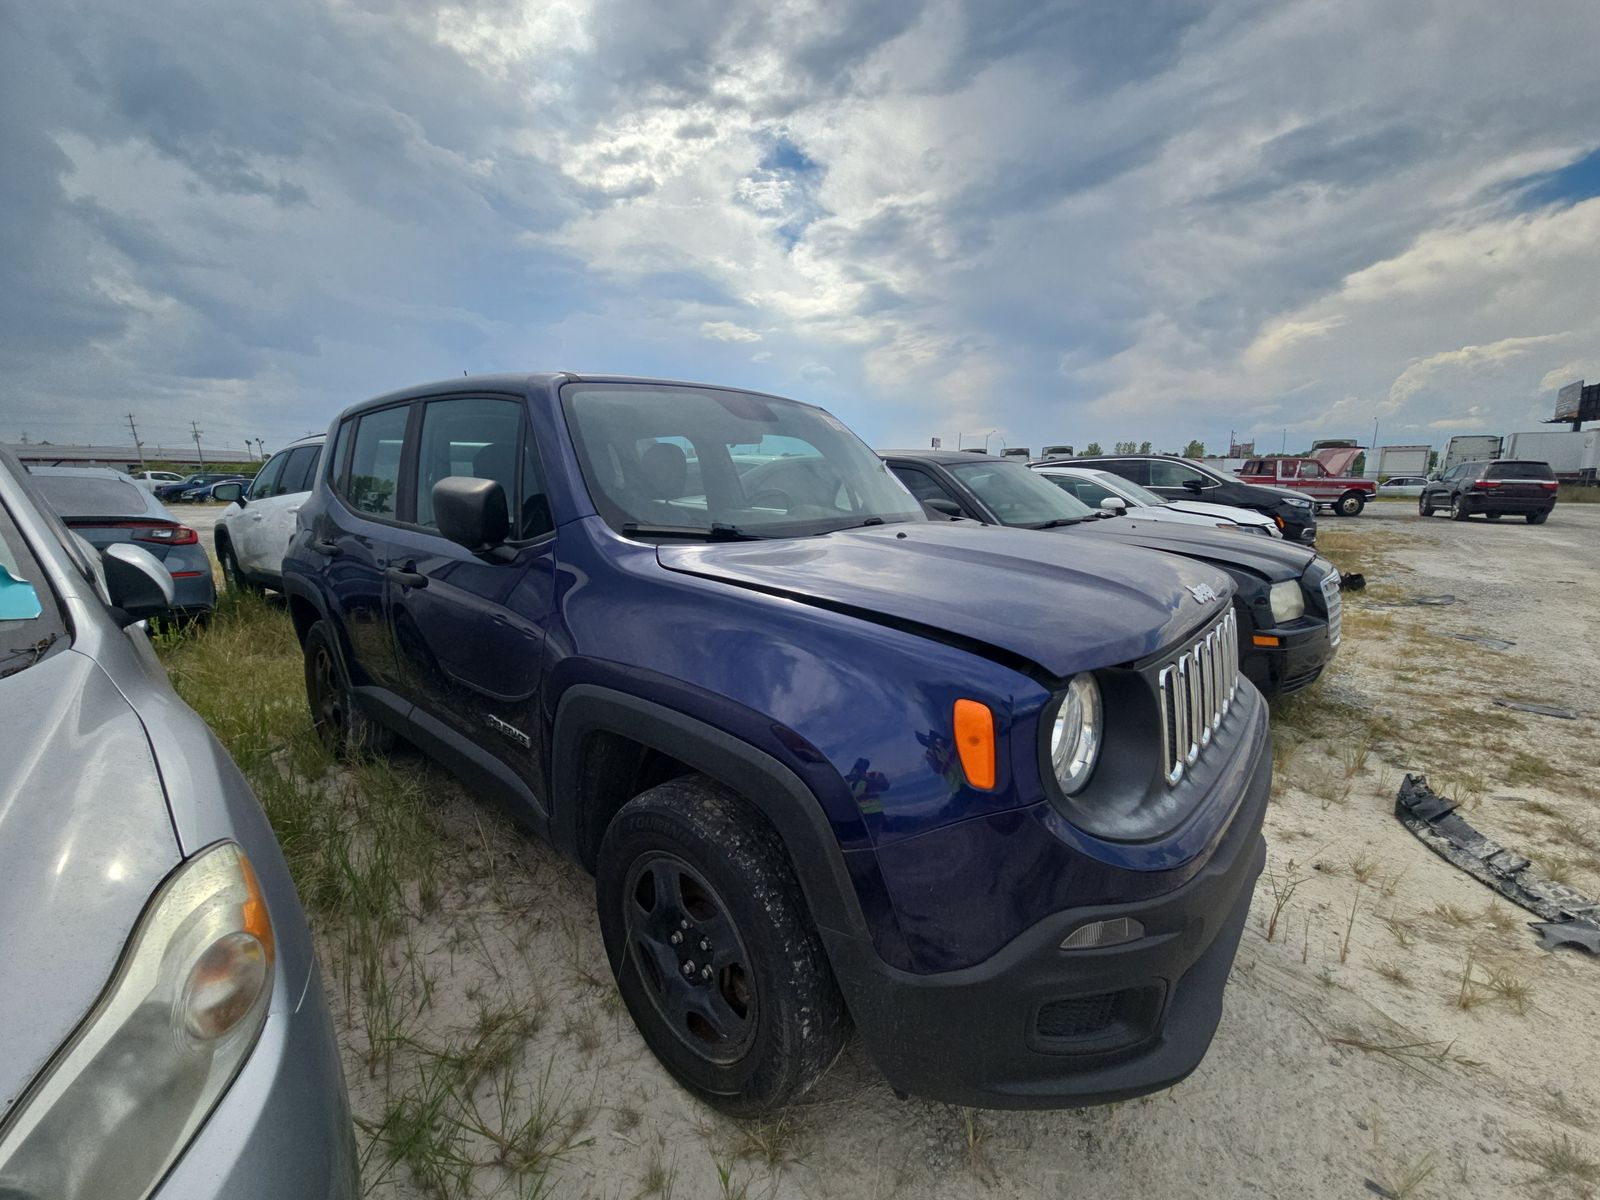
<point>1391,1028</point>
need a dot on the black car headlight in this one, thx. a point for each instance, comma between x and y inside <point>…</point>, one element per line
<point>109,1115</point>
<point>1076,729</point>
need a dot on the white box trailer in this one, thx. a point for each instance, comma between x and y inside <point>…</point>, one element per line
<point>1470,447</point>
<point>1400,460</point>
<point>1570,455</point>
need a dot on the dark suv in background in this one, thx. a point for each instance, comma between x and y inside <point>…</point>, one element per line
<point>995,798</point>
<point>1286,597</point>
<point>1184,479</point>
<point>1495,488</point>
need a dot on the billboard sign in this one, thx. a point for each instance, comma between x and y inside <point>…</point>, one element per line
<point>938,443</point>
<point>1569,402</point>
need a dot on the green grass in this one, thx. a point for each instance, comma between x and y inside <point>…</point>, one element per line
<point>1571,493</point>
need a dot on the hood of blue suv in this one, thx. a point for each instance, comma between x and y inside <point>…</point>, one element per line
<point>1065,604</point>
<point>85,838</point>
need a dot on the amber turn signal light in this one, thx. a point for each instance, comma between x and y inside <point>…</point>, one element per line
<point>975,742</point>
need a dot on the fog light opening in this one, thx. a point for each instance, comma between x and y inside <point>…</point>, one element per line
<point>1097,935</point>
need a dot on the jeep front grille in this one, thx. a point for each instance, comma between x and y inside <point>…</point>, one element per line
<point>1197,689</point>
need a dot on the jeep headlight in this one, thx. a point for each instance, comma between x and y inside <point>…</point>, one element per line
<point>1075,733</point>
<point>1288,601</point>
<point>119,1102</point>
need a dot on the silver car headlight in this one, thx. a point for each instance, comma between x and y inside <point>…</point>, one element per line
<point>1288,601</point>
<point>1075,733</point>
<point>121,1099</point>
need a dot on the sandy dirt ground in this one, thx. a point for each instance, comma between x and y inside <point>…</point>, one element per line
<point>1391,1028</point>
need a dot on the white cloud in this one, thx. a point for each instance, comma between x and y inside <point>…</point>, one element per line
<point>727,331</point>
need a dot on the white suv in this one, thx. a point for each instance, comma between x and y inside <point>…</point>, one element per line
<point>254,530</point>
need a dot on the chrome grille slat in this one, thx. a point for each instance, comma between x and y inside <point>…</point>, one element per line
<point>1196,690</point>
<point>1335,602</point>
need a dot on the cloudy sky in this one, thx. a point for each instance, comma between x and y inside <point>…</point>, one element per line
<point>1065,221</point>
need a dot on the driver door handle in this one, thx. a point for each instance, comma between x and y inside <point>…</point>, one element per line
<point>405,578</point>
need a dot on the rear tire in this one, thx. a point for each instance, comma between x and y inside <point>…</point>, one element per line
<point>1350,504</point>
<point>742,1009</point>
<point>1537,518</point>
<point>1424,509</point>
<point>1458,510</point>
<point>345,730</point>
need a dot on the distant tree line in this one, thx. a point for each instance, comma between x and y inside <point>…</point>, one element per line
<point>1195,449</point>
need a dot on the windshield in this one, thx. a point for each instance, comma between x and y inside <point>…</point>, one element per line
<point>91,496</point>
<point>660,458</point>
<point>1128,489</point>
<point>30,624</point>
<point>1018,495</point>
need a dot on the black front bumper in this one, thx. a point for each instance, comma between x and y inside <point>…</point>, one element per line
<point>1035,1026</point>
<point>1297,661</point>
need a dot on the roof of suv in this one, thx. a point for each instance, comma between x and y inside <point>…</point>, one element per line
<point>518,383</point>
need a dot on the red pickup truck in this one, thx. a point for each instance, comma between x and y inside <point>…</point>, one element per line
<point>1321,477</point>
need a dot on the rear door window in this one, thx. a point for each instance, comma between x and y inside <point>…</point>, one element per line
<point>373,485</point>
<point>297,472</point>
<point>1519,470</point>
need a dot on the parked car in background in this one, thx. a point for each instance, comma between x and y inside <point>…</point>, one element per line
<point>1321,477</point>
<point>1403,485</point>
<point>1184,479</point>
<point>1105,489</point>
<point>253,532</point>
<point>827,759</point>
<point>105,507</point>
<point>174,491</point>
<point>150,480</point>
<point>1286,597</point>
<point>163,1028</point>
<point>206,492</point>
<point>1493,488</point>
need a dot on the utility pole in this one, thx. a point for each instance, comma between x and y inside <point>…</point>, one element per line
<point>1284,448</point>
<point>199,452</point>
<point>137,444</point>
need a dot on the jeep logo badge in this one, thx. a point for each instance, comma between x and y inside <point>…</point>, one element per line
<point>506,729</point>
<point>1202,592</point>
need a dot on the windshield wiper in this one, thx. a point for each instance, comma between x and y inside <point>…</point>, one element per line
<point>1058,522</point>
<point>716,532</point>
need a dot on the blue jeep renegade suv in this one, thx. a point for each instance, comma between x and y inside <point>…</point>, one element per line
<point>994,799</point>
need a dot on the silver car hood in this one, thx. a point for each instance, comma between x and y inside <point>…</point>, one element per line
<point>85,838</point>
<point>1222,512</point>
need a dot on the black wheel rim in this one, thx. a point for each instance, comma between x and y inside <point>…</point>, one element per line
<point>690,958</point>
<point>327,697</point>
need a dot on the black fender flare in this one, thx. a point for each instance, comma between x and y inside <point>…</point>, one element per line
<point>767,784</point>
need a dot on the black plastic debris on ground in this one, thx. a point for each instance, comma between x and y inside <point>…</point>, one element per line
<point>1542,710</point>
<point>1352,581</point>
<point>1492,643</point>
<point>1567,917</point>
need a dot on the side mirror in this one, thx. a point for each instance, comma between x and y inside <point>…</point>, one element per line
<point>1114,504</point>
<point>471,512</point>
<point>945,508</point>
<point>1193,485</point>
<point>139,586</point>
<point>229,493</point>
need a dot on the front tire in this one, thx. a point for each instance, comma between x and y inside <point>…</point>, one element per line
<point>1350,504</point>
<point>713,950</point>
<point>233,576</point>
<point>345,730</point>
<point>1458,509</point>
<point>1424,509</point>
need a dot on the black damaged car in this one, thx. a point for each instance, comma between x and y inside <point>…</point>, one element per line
<point>1286,596</point>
